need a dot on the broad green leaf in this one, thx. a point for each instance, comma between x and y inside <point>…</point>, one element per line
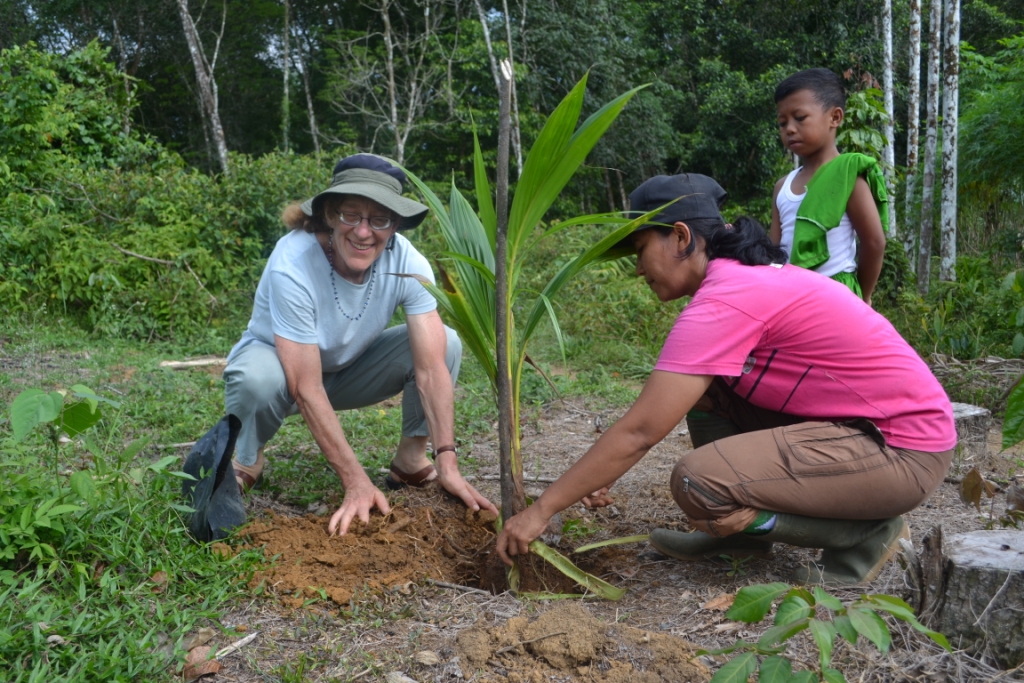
<point>800,591</point>
<point>1013,422</point>
<point>774,669</point>
<point>612,541</point>
<point>753,602</point>
<point>893,605</point>
<point>1018,343</point>
<point>78,417</point>
<point>824,635</point>
<point>85,393</point>
<point>845,628</point>
<point>83,486</point>
<point>901,610</point>
<point>163,463</point>
<point>793,608</point>
<point>827,600</point>
<point>32,407</point>
<point>832,676</point>
<point>871,626</point>
<point>803,677</point>
<point>485,205</point>
<point>781,633</point>
<point>736,670</point>
<point>563,564</point>
<point>57,510</point>
<point>133,449</point>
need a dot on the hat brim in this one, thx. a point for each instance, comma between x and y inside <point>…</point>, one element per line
<point>411,211</point>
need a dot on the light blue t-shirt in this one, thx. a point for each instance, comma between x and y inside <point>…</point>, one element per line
<point>298,299</point>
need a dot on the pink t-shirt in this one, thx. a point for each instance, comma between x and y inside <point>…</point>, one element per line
<point>792,341</point>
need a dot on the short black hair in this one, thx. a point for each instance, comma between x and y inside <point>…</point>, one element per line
<point>825,84</point>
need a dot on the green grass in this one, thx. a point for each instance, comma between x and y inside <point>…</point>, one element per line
<point>92,611</point>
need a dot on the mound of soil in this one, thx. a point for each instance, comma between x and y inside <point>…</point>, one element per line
<point>429,537</point>
<point>568,643</point>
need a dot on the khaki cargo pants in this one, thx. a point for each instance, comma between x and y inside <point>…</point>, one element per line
<point>784,463</point>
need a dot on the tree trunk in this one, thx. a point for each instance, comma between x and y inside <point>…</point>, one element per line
<point>950,116</point>
<point>286,99</point>
<point>389,62</point>
<point>913,128</point>
<point>309,97</point>
<point>516,141</point>
<point>931,131</point>
<point>205,82</point>
<point>513,495</point>
<point>889,152</point>
<point>973,591</point>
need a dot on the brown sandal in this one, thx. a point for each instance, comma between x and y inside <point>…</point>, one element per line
<point>399,480</point>
<point>245,481</point>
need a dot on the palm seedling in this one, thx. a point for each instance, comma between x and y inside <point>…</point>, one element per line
<point>479,296</point>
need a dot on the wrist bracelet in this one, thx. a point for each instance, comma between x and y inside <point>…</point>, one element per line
<point>444,449</point>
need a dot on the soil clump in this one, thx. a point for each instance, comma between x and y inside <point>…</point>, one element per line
<point>568,643</point>
<point>427,535</point>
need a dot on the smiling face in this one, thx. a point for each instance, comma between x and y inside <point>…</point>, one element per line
<point>356,247</point>
<point>662,261</point>
<point>805,125</point>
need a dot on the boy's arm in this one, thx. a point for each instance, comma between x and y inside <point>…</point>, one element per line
<point>775,229</point>
<point>868,225</point>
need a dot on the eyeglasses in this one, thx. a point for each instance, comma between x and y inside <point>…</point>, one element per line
<point>352,219</point>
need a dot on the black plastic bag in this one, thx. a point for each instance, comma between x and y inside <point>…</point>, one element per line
<point>214,497</point>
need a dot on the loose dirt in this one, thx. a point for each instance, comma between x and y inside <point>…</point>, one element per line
<point>568,641</point>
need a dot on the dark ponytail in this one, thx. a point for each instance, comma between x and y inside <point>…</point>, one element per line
<point>746,241</point>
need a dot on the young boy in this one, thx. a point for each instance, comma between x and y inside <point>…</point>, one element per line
<point>821,210</point>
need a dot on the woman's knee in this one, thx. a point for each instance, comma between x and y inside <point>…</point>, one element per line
<point>253,386</point>
<point>688,489</point>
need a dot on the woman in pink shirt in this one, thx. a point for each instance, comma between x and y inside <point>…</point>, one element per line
<point>814,423</point>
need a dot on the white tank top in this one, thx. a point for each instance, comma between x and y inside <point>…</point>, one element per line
<point>841,240</point>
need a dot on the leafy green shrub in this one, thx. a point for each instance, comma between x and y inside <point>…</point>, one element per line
<point>798,612</point>
<point>98,579</point>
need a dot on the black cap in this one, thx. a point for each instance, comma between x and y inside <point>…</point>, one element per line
<point>371,162</point>
<point>698,196</point>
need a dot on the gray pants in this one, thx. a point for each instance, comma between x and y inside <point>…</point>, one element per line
<point>256,391</point>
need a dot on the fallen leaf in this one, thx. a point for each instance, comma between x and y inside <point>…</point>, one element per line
<point>426,658</point>
<point>56,640</point>
<point>719,603</point>
<point>971,487</point>
<point>200,637</point>
<point>198,665</point>
<point>398,677</point>
<point>159,580</point>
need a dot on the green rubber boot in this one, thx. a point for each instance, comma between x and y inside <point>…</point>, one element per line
<point>854,551</point>
<point>707,427</point>
<point>698,545</point>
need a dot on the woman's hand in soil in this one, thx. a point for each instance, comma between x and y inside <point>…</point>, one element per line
<point>598,499</point>
<point>359,500</point>
<point>519,531</point>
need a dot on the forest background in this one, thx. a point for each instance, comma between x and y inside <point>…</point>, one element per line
<point>121,212</point>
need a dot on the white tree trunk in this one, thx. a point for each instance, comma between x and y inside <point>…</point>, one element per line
<point>913,127</point>
<point>205,82</point>
<point>950,117</point>
<point>286,99</point>
<point>309,97</point>
<point>890,135</point>
<point>931,130</point>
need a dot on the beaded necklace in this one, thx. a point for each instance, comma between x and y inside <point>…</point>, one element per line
<point>334,288</point>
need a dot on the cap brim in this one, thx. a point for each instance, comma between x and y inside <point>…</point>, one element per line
<point>411,211</point>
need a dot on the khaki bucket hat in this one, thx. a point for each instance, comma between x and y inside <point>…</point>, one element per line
<point>376,178</point>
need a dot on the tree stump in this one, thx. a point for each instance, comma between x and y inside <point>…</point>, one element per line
<point>972,425</point>
<point>973,592</point>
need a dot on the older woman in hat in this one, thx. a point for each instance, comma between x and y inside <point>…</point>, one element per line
<point>818,427</point>
<point>318,340</point>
